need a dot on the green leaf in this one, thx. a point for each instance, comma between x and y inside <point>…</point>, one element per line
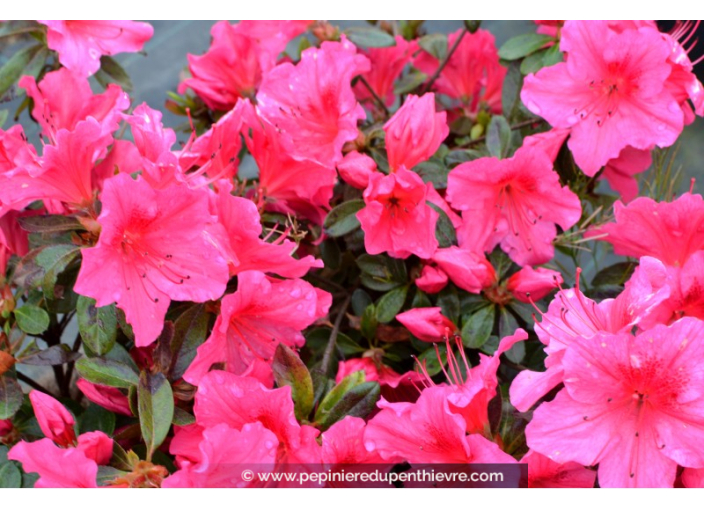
<point>498,137</point>
<point>32,319</point>
<point>522,45</point>
<point>435,44</point>
<point>10,397</point>
<point>3,117</point>
<point>444,229</point>
<point>342,219</point>
<point>352,397</point>
<point>616,274</point>
<point>434,172</point>
<point>156,409</point>
<point>390,304</point>
<point>107,372</point>
<point>10,476</point>
<point>449,301</point>
<point>533,63</point>
<point>507,323</point>
<point>429,358</point>
<point>360,301</point>
<point>369,37</point>
<point>459,156</point>
<point>13,68</point>
<point>50,224</point>
<point>112,72</point>
<point>381,273</point>
<point>410,82</point>
<point>98,326</point>
<point>190,330</point>
<point>289,370</point>
<point>97,418</point>
<point>182,418</point>
<point>54,259</point>
<point>54,355</point>
<point>511,91</point>
<point>553,56</point>
<point>477,328</point>
<point>369,323</point>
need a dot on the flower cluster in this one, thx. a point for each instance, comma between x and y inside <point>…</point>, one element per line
<point>423,268</point>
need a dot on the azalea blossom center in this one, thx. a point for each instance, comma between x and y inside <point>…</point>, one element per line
<point>650,381</point>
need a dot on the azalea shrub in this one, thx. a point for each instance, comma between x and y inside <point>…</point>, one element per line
<point>375,245</point>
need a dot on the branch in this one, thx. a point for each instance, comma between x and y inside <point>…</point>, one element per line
<point>442,65</point>
<point>34,384</point>
<point>520,125</point>
<point>376,97</point>
<point>327,356</point>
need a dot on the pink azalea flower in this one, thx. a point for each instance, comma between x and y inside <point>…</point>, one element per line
<point>81,43</point>
<point>289,185</point>
<point>64,98</point>
<point>432,280</point>
<point>55,421</point>
<point>356,169</point>
<point>544,473</point>
<point>466,269</point>
<point>473,74</point>
<point>668,231</point>
<point>621,171</point>
<point>254,320</point>
<point>224,453</point>
<point>683,83</point>
<point>105,396</point>
<point>427,324</point>
<point>572,315</point>
<point>693,478</point>
<point>611,91</point>
<point>57,467</point>
<point>415,132</point>
<point>96,446</point>
<point>515,202</point>
<point>396,218</point>
<point>154,247</point>
<point>312,103</point>
<point>427,432</point>
<point>395,387</point>
<point>533,284</point>
<point>13,239</point>
<point>242,245</point>
<point>65,172</point>
<point>234,401</point>
<point>387,64</point>
<point>633,405</point>
<point>343,443</point>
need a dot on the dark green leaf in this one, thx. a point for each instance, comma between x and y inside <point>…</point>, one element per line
<point>498,137</point>
<point>449,302</point>
<point>369,37</point>
<point>421,300</point>
<point>459,156</point>
<point>156,409</point>
<point>342,219</point>
<point>390,304</point>
<point>107,372</point>
<point>616,274</point>
<point>472,25</point>
<point>54,259</point>
<point>289,370</point>
<point>10,397</point>
<point>54,355</point>
<point>52,223</point>
<point>507,323</point>
<point>409,82</point>
<point>369,323</point>
<point>330,253</point>
<point>477,328</point>
<point>360,301</point>
<point>435,44</point>
<point>434,172</point>
<point>444,229</point>
<point>32,319</point>
<point>13,68</point>
<point>10,476</point>
<point>112,72</point>
<point>98,326</point>
<point>352,397</point>
<point>97,418</point>
<point>182,418</point>
<point>429,358</point>
<point>522,45</point>
<point>190,330</point>
<point>511,91</point>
